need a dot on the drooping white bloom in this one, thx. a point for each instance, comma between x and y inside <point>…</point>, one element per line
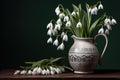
<point>94,11</point>
<point>50,32</point>
<point>51,68</point>
<point>79,25</point>
<point>107,21</point>
<point>47,71</point>
<point>61,15</point>
<point>57,27</point>
<point>39,70</point>
<point>23,72</point>
<point>56,42</point>
<point>29,72</point>
<point>107,31</point>
<point>50,25</point>
<point>65,37</point>
<point>101,31</point>
<point>55,31</point>
<point>108,27</point>
<point>43,72</point>
<point>49,40</point>
<point>34,72</point>
<point>73,13</point>
<point>62,34</point>
<point>35,69</point>
<point>16,72</point>
<point>61,46</point>
<point>100,6</point>
<point>68,24</point>
<point>58,71</point>
<point>59,22</point>
<point>113,21</point>
<point>57,10</point>
<point>66,18</point>
<point>52,72</point>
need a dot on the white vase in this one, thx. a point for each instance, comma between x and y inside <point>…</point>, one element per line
<point>84,55</point>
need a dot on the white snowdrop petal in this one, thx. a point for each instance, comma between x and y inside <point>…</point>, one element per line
<point>101,31</point>
<point>65,37</point>
<point>29,72</point>
<point>23,72</point>
<point>56,42</point>
<point>49,32</point>
<point>73,14</point>
<point>68,24</point>
<point>61,15</point>
<point>52,72</point>
<point>100,6</point>
<point>107,31</point>
<point>59,22</point>
<point>79,25</point>
<point>66,18</point>
<point>50,25</point>
<point>49,40</point>
<point>113,21</point>
<point>57,10</point>
<point>16,72</point>
<point>61,47</point>
<point>109,27</point>
<point>89,10</point>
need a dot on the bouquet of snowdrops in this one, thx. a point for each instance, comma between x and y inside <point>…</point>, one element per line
<point>79,22</point>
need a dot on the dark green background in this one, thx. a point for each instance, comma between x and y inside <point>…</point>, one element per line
<point>23,32</point>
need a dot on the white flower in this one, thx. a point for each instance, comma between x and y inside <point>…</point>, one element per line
<point>34,72</point>
<point>43,72</point>
<point>51,68</point>
<point>79,25</point>
<point>39,70</point>
<point>50,31</point>
<point>68,24</point>
<point>62,34</point>
<point>107,31</point>
<point>101,31</point>
<point>52,72</point>
<point>109,27</point>
<point>57,10</point>
<point>23,72</point>
<point>56,42</point>
<point>29,72</point>
<point>61,15</point>
<point>49,40</point>
<point>94,11</point>
<point>100,6</point>
<point>107,21</point>
<point>58,71</point>
<point>61,46</point>
<point>65,37</point>
<point>57,27</point>
<point>50,25</point>
<point>59,22</point>
<point>35,69</point>
<point>113,22</point>
<point>73,14</point>
<point>48,71</point>
<point>16,72</point>
<point>66,18</point>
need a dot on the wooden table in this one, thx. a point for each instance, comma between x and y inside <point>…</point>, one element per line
<point>97,75</point>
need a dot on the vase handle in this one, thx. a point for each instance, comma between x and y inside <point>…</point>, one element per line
<point>106,39</point>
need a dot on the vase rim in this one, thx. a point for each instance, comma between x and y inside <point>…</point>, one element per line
<point>73,36</point>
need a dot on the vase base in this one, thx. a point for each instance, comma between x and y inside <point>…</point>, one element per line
<point>81,72</point>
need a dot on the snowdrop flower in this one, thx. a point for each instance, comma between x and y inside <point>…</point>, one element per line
<point>107,31</point>
<point>52,72</point>
<point>56,42</point>
<point>94,11</point>
<point>61,46</point>
<point>51,68</point>
<point>57,10</point>
<point>50,25</point>
<point>50,31</point>
<point>29,72</point>
<point>54,31</point>
<point>58,71</point>
<point>109,27</point>
<point>16,72</point>
<point>57,27</point>
<point>113,21</point>
<point>23,72</point>
<point>107,21</point>
<point>48,71</point>
<point>73,14</point>
<point>61,15</point>
<point>62,34</point>
<point>35,69</point>
<point>34,72</point>
<point>66,18</point>
<point>43,72</point>
<point>68,24</point>
<point>59,22</point>
<point>49,40</point>
<point>79,25</point>
<point>100,6</point>
<point>65,37</point>
<point>39,70</point>
<point>101,31</point>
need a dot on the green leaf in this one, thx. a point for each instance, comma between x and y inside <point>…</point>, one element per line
<point>61,68</point>
<point>75,7</point>
<point>57,60</point>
